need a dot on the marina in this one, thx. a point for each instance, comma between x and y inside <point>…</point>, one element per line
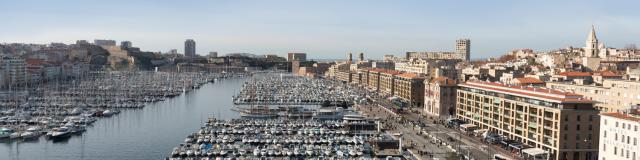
<point>180,129</point>
<point>295,90</point>
<point>58,112</point>
<point>287,124</point>
<point>354,136</point>
<point>141,133</point>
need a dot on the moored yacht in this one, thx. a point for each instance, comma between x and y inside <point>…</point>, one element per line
<point>62,132</point>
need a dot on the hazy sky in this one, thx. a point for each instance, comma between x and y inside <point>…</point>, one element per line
<point>326,28</point>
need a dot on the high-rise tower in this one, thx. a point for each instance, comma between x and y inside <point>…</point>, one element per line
<point>190,48</point>
<point>463,49</point>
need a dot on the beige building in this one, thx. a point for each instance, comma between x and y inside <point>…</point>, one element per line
<point>564,124</point>
<point>410,88</point>
<point>612,96</point>
<point>462,52</point>
<point>440,97</point>
<point>387,78</point>
<point>374,79</point>
<point>429,67</point>
<point>619,135</point>
<point>344,76</point>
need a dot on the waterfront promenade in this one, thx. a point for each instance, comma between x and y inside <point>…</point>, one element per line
<point>426,138</point>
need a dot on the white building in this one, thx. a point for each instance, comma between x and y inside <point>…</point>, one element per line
<point>619,134</point>
<point>14,70</point>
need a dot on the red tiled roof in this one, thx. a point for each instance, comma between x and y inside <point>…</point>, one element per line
<point>608,74</point>
<point>575,74</point>
<point>381,70</point>
<point>621,116</point>
<point>529,80</point>
<point>542,93</point>
<point>391,72</point>
<point>444,81</point>
<point>376,69</point>
<point>410,75</point>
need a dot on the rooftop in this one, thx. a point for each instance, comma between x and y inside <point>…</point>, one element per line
<point>575,74</point>
<point>410,76</point>
<point>444,81</point>
<point>529,80</point>
<point>618,115</point>
<point>532,92</point>
<point>607,74</point>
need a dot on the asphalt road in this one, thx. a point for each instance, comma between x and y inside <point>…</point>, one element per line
<point>469,146</point>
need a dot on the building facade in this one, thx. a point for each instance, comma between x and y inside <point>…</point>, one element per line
<point>104,42</point>
<point>14,71</point>
<point>410,88</point>
<point>564,124</point>
<point>190,48</point>
<point>612,96</point>
<point>440,97</point>
<point>463,49</point>
<point>297,57</point>
<point>387,80</point>
<point>126,44</point>
<point>619,135</point>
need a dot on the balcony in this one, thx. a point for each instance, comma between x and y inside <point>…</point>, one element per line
<point>533,125</point>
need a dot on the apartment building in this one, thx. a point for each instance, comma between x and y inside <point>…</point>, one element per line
<point>13,70</point>
<point>387,80</point>
<point>612,96</point>
<point>374,79</point>
<point>410,88</point>
<point>619,135</point>
<point>563,124</point>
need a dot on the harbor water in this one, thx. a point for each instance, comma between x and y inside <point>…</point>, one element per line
<point>147,133</point>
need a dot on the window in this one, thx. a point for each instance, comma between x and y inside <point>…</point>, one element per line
<point>578,118</point>
<point>577,127</point>
<point>635,141</point>
<point>565,136</point>
<point>577,136</point>
<point>604,147</point>
<point>566,118</point>
<point>605,121</point>
<point>615,150</point>
<point>616,137</point>
<point>566,127</point>
<point>605,134</point>
<point>589,137</point>
<point>616,124</point>
<point>590,117</point>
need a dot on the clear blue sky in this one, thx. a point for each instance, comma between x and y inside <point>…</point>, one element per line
<point>323,29</point>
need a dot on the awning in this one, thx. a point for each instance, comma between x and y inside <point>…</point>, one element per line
<point>534,151</point>
<point>467,126</point>
<point>480,131</point>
